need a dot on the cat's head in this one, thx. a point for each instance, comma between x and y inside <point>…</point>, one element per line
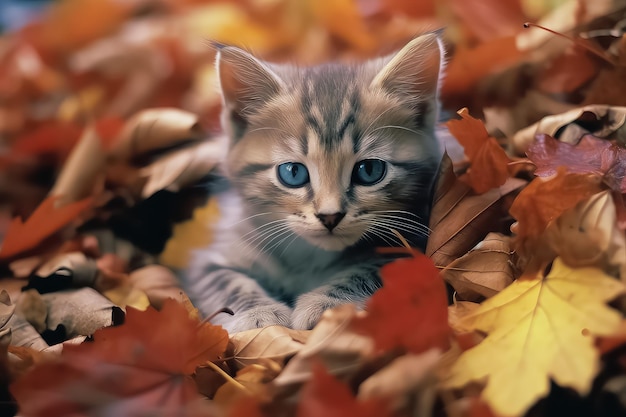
<point>336,153</point>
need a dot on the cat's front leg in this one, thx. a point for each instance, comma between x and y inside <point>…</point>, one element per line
<point>353,286</point>
<point>251,305</point>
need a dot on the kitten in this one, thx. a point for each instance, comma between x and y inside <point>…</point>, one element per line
<point>322,163</point>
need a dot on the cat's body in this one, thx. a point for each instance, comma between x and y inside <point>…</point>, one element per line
<point>323,163</point>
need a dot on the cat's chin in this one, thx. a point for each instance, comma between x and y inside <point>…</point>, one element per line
<point>332,243</point>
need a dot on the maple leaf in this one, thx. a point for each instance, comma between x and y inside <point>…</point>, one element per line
<point>410,310</point>
<point>489,163</point>
<point>144,364</point>
<point>590,155</point>
<point>539,329</point>
<point>325,396</point>
<point>543,200</point>
<point>45,221</point>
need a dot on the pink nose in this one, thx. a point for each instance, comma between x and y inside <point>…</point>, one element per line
<point>330,221</point>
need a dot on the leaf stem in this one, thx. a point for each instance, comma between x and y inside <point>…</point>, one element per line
<point>229,378</point>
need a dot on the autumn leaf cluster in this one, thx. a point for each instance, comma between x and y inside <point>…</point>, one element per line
<point>109,119</point>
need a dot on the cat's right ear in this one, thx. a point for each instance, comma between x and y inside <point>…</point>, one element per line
<point>245,83</point>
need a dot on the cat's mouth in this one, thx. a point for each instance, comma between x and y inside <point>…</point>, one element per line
<point>333,240</point>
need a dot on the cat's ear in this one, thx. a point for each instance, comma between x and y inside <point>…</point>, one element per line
<point>245,82</point>
<point>414,72</point>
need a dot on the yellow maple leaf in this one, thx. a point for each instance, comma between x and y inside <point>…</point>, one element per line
<point>538,330</point>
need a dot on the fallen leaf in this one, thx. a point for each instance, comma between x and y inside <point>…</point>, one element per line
<point>45,221</point>
<point>272,342</point>
<point>484,271</point>
<point>141,366</point>
<point>410,311</point>
<point>408,381</point>
<point>158,283</point>
<point>323,395</point>
<point>459,219</point>
<point>590,155</point>
<point>587,235</point>
<point>549,322</point>
<point>542,201</point>
<point>153,129</point>
<point>125,296</point>
<point>599,120</point>
<point>457,313</point>
<point>183,167</point>
<point>251,381</point>
<point>333,342</point>
<point>80,312</point>
<point>488,161</point>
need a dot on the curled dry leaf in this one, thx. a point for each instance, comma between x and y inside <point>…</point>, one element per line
<point>31,306</point>
<point>277,343</point>
<point>539,321</point>
<point>81,312</point>
<point>154,129</point>
<point>182,167</point>
<point>408,381</point>
<point>81,170</point>
<point>542,201</point>
<point>604,121</point>
<point>460,219</point>
<point>332,342</point>
<point>587,235</point>
<point>158,283</point>
<point>482,272</point>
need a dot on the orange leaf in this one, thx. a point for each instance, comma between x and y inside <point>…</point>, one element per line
<point>108,129</point>
<point>141,366</point>
<point>55,137</point>
<point>471,65</point>
<point>45,221</point>
<point>324,396</point>
<point>489,163</point>
<point>543,200</point>
<point>410,311</point>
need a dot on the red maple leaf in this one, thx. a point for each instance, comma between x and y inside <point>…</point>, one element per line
<point>410,311</point>
<point>142,366</point>
<point>590,155</point>
<point>489,163</point>
<point>45,221</point>
<point>325,396</point>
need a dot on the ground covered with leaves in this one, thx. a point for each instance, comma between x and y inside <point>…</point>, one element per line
<point>109,130</point>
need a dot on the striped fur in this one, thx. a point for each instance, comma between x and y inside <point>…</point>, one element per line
<point>274,261</point>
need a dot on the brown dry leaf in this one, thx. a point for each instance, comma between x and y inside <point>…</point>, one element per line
<point>158,283</point>
<point>542,201</point>
<point>183,167</point>
<point>587,235</point>
<point>459,219</point>
<point>332,342</point>
<point>408,382</point>
<point>606,121</point>
<point>277,343</point>
<point>31,306</point>
<point>484,271</point>
<point>81,312</point>
<point>153,129</point>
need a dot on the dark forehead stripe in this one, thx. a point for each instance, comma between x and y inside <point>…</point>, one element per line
<point>325,90</point>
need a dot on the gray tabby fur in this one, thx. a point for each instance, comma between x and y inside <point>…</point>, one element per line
<point>273,261</point>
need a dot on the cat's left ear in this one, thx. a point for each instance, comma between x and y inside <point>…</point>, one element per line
<point>415,72</point>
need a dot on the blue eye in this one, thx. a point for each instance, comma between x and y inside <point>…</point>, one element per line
<point>293,174</point>
<point>369,171</point>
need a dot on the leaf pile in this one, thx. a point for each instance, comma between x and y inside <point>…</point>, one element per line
<point>109,121</point>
